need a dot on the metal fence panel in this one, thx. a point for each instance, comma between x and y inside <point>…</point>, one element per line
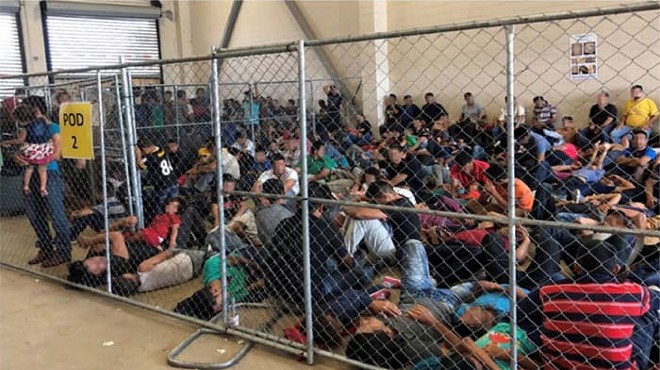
<point>326,215</point>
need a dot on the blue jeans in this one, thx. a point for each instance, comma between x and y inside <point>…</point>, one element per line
<point>417,283</point>
<point>647,331</point>
<point>569,217</point>
<point>39,209</point>
<point>619,133</point>
<point>95,221</point>
<point>166,194</point>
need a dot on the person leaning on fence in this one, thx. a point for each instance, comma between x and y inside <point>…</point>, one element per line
<point>592,319</point>
<point>160,173</point>
<point>40,209</point>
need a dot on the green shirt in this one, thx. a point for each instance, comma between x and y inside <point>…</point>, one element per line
<point>237,278</point>
<point>314,166</point>
<point>500,334</point>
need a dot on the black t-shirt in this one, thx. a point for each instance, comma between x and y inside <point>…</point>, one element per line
<point>325,243</point>
<point>364,128</point>
<point>599,116</point>
<point>405,225</point>
<point>410,167</point>
<point>161,174</point>
<point>393,114</point>
<point>334,102</point>
<point>137,253</point>
<point>431,112</point>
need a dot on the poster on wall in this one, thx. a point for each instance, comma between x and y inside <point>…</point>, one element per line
<point>584,56</point>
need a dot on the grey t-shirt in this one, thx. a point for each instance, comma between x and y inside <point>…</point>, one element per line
<point>472,111</point>
<point>418,340</point>
<point>116,209</point>
<point>267,219</point>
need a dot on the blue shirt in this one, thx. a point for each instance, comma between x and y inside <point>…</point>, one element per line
<point>542,144</point>
<point>646,152</point>
<point>54,130</point>
<point>498,300</point>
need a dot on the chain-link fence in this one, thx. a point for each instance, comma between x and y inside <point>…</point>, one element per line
<point>450,192</point>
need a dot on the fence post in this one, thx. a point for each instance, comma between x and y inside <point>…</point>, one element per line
<point>511,185</point>
<point>122,133</point>
<point>104,179</point>
<point>177,124</point>
<point>307,270</point>
<point>132,141</point>
<point>220,195</point>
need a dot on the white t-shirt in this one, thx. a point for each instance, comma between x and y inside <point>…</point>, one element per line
<point>230,165</point>
<point>289,174</point>
<point>401,191</point>
<point>519,111</point>
<point>173,271</point>
<point>249,147</point>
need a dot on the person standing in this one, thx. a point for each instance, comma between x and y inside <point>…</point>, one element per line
<point>40,209</point>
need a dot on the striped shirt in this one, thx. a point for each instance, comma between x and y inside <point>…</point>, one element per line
<point>589,326</point>
<point>545,113</point>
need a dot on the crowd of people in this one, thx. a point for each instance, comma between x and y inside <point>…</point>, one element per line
<point>586,298</point>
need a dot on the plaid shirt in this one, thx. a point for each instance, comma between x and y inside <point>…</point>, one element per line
<point>545,113</point>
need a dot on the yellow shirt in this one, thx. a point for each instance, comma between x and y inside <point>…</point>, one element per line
<point>638,112</point>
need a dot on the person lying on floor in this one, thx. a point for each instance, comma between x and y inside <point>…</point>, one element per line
<point>402,340</point>
<point>94,217</point>
<point>244,276</point>
<point>241,286</point>
<point>168,268</point>
<point>162,226</point>
<point>124,259</point>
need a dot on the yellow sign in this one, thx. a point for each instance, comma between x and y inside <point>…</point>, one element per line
<point>76,127</point>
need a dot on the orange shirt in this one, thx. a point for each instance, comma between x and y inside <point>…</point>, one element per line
<point>524,196</point>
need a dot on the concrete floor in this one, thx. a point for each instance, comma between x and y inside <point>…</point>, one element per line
<point>44,325</point>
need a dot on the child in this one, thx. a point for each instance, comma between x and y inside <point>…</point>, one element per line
<point>36,147</point>
<point>154,235</point>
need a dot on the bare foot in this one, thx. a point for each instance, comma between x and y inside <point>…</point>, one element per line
<point>26,190</point>
<point>43,192</point>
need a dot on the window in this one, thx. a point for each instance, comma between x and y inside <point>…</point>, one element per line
<point>85,41</point>
<point>11,57</point>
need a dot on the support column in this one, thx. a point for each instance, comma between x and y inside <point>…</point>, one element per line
<point>376,69</point>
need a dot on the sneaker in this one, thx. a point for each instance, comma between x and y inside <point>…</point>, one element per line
<point>55,260</point>
<point>391,282</point>
<point>40,257</point>
<point>381,295</point>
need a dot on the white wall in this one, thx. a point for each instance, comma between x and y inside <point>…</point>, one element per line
<point>448,64</point>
